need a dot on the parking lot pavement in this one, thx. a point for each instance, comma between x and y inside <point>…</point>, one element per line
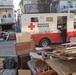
<point>7,48</point>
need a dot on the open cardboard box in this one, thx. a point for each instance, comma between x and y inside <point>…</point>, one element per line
<point>23,37</point>
<point>22,51</point>
<point>25,47</point>
<point>24,43</point>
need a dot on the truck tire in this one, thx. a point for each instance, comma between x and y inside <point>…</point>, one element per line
<point>44,42</point>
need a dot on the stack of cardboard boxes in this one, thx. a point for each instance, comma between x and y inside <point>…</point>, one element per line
<point>24,45</point>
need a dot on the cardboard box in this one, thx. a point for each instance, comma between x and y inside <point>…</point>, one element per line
<point>24,72</point>
<point>25,47</point>
<point>22,61</point>
<point>23,37</point>
<point>12,36</point>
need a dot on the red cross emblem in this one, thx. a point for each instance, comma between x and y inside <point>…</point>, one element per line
<point>31,26</point>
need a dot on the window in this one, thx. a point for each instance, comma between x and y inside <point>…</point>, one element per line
<point>9,15</point>
<point>75,4</point>
<point>61,20</point>
<point>74,25</point>
<point>70,4</point>
<point>4,16</point>
<point>34,19</point>
<point>49,19</point>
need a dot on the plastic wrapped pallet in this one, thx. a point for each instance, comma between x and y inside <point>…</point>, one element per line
<point>33,68</point>
<point>8,72</point>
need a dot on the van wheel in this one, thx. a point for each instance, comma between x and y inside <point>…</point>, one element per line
<point>44,43</point>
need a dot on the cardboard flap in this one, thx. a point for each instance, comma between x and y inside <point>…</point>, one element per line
<point>24,48</point>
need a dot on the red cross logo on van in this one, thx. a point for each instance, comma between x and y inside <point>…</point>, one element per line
<point>31,26</point>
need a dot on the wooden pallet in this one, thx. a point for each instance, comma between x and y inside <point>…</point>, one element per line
<point>62,67</point>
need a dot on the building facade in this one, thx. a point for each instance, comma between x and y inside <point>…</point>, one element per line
<point>54,6</point>
<point>68,6</point>
<point>25,5</point>
<point>34,6</point>
<point>6,14</point>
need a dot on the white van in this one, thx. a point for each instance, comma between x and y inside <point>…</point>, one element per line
<point>44,28</point>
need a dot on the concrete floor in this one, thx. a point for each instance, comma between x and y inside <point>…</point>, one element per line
<point>7,48</point>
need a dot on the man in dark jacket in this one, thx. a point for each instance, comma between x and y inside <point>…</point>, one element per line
<point>64,33</point>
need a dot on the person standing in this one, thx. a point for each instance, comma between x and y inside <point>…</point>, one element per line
<point>64,33</point>
<point>16,27</point>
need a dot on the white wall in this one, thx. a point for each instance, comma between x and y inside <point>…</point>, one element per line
<point>3,11</point>
<point>6,2</point>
